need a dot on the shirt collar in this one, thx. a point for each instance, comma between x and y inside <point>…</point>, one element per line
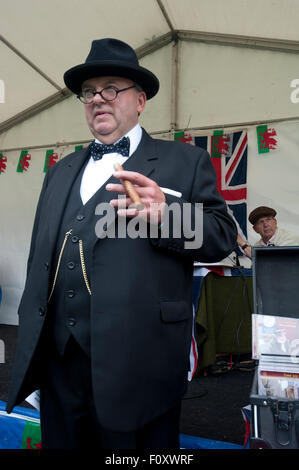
<point>134,135</point>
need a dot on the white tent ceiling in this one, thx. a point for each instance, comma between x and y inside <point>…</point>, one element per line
<point>40,39</point>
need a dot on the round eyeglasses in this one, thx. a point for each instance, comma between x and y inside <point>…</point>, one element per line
<point>108,94</point>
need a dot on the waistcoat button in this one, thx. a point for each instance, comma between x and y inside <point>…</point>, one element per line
<point>70,293</point>
<point>71,321</point>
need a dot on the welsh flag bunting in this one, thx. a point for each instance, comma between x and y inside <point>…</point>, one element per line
<point>50,160</point>
<point>266,139</point>
<point>220,144</point>
<point>24,161</point>
<point>182,137</point>
<point>3,161</point>
<point>52,157</point>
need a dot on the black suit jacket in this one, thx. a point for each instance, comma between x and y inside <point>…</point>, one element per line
<point>141,308</point>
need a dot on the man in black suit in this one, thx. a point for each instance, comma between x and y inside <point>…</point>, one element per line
<point>106,316</point>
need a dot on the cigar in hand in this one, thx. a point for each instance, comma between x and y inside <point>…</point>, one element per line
<point>130,190</point>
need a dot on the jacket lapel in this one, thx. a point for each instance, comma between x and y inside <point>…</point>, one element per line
<point>143,161</point>
<point>61,186</point>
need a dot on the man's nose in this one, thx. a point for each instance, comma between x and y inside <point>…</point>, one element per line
<point>98,99</point>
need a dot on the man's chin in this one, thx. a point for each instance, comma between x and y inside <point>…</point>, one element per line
<point>106,135</point>
<point>102,131</point>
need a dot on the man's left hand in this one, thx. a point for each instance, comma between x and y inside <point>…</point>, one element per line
<point>151,195</point>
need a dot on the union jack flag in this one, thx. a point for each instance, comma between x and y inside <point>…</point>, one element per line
<point>229,157</point>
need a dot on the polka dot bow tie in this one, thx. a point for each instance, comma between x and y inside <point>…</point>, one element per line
<point>98,150</point>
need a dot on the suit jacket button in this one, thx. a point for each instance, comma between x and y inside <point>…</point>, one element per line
<point>70,294</point>
<point>80,217</point>
<point>42,311</point>
<point>71,321</point>
<point>46,266</point>
<point>75,239</point>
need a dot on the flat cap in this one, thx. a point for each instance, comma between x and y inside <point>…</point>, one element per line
<point>259,212</point>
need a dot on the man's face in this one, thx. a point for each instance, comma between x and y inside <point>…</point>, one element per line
<point>265,227</point>
<point>108,121</point>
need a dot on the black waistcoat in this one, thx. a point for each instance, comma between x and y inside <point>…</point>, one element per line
<point>70,303</point>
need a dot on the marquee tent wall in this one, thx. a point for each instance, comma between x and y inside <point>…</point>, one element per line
<point>224,65</point>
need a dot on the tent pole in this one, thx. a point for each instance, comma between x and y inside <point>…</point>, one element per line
<point>174,88</point>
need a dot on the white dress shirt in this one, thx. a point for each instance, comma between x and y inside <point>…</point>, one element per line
<point>97,172</point>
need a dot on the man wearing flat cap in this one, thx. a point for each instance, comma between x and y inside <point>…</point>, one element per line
<point>106,321</point>
<point>263,220</point>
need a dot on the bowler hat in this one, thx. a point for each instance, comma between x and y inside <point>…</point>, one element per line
<point>259,212</point>
<point>111,57</point>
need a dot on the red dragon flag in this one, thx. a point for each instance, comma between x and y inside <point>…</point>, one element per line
<point>3,160</point>
<point>266,139</point>
<point>183,137</point>
<point>50,160</point>
<point>24,161</point>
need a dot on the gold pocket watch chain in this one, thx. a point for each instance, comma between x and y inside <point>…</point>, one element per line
<point>83,266</point>
<point>59,262</point>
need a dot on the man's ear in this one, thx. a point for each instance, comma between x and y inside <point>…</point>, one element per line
<point>141,102</point>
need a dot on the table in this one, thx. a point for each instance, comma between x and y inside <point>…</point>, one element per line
<point>223,315</point>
